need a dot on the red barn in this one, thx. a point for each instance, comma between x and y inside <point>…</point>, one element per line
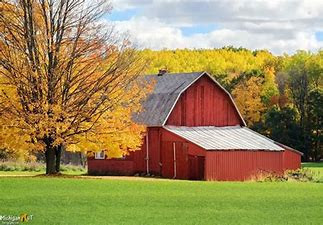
<point>195,131</point>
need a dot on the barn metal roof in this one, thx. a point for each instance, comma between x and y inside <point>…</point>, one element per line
<point>167,90</point>
<point>161,101</point>
<point>225,138</point>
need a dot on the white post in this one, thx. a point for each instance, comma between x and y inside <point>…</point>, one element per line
<point>147,154</point>
<point>174,152</point>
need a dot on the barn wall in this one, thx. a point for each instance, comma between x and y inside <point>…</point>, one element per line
<point>292,160</point>
<point>241,165</point>
<point>154,150</point>
<point>136,161</point>
<point>139,157</point>
<point>167,157</point>
<point>184,153</point>
<point>204,104</point>
<point>217,165</point>
<point>192,149</point>
<point>188,161</point>
<point>168,160</point>
<point>110,166</point>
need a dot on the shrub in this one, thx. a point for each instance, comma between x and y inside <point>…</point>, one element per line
<point>267,176</point>
<point>301,175</point>
<point>305,175</point>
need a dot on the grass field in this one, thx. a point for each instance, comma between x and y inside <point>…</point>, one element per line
<point>102,201</point>
<point>316,168</point>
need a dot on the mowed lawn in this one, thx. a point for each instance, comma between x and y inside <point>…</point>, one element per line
<point>316,168</point>
<point>103,201</point>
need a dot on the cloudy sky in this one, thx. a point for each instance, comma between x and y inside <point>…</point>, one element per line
<point>277,25</point>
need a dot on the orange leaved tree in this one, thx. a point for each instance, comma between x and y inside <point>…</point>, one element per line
<point>66,79</point>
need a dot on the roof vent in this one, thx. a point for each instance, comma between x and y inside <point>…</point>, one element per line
<point>162,72</point>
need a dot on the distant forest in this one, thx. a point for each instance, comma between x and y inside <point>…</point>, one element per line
<point>278,96</point>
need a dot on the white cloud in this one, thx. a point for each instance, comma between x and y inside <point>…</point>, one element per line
<point>277,25</point>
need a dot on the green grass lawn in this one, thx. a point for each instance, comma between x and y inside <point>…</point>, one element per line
<point>92,201</point>
<point>317,169</point>
<point>103,201</point>
<point>313,165</point>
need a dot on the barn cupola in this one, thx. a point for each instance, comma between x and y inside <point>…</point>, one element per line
<point>162,72</point>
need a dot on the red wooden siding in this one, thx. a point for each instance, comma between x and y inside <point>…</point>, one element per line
<point>241,165</point>
<point>137,158</point>
<point>184,152</point>
<point>204,104</point>
<point>196,167</point>
<point>110,166</point>
<point>168,164</point>
<point>140,157</point>
<point>154,150</point>
<point>194,162</point>
<point>192,149</point>
<point>292,160</point>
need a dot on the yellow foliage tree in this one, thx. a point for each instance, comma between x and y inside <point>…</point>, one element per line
<point>228,61</point>
<point>269,87</point>
<point>247,96</point>
<point>66,80</point>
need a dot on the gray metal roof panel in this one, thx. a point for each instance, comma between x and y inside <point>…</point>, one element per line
<point>172,82</point>
<point>225,138</point>
<point>160,102</point>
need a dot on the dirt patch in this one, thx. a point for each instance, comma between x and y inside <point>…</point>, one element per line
<point>134,178</point>
<point>126,178</point>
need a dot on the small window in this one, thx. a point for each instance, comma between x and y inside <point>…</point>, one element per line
<point>99,155</point>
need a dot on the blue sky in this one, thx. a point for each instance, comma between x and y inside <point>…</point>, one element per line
<point>198,29</point>
<point>319,35</point>
<point>123,15</point>
<point>279,26</point>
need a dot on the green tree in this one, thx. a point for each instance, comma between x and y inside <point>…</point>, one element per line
<point>315,123</point>
<point>304,71</point>
<point>282,126</point>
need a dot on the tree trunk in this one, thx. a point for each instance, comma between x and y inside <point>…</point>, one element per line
<point>53,157</point>
<point>50,160</point>
<point>58,154</point>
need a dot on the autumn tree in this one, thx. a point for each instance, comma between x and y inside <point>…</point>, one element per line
<point>282,85</point>
<point>67,80</point>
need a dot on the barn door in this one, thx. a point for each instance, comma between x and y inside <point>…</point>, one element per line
<point>196,167</point>
<point>174,163</point>
<point>154,151</point>
<point>167,159</point>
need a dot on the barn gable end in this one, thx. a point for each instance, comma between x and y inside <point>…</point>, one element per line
<point>188,99</point>
<point>205,103</point>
